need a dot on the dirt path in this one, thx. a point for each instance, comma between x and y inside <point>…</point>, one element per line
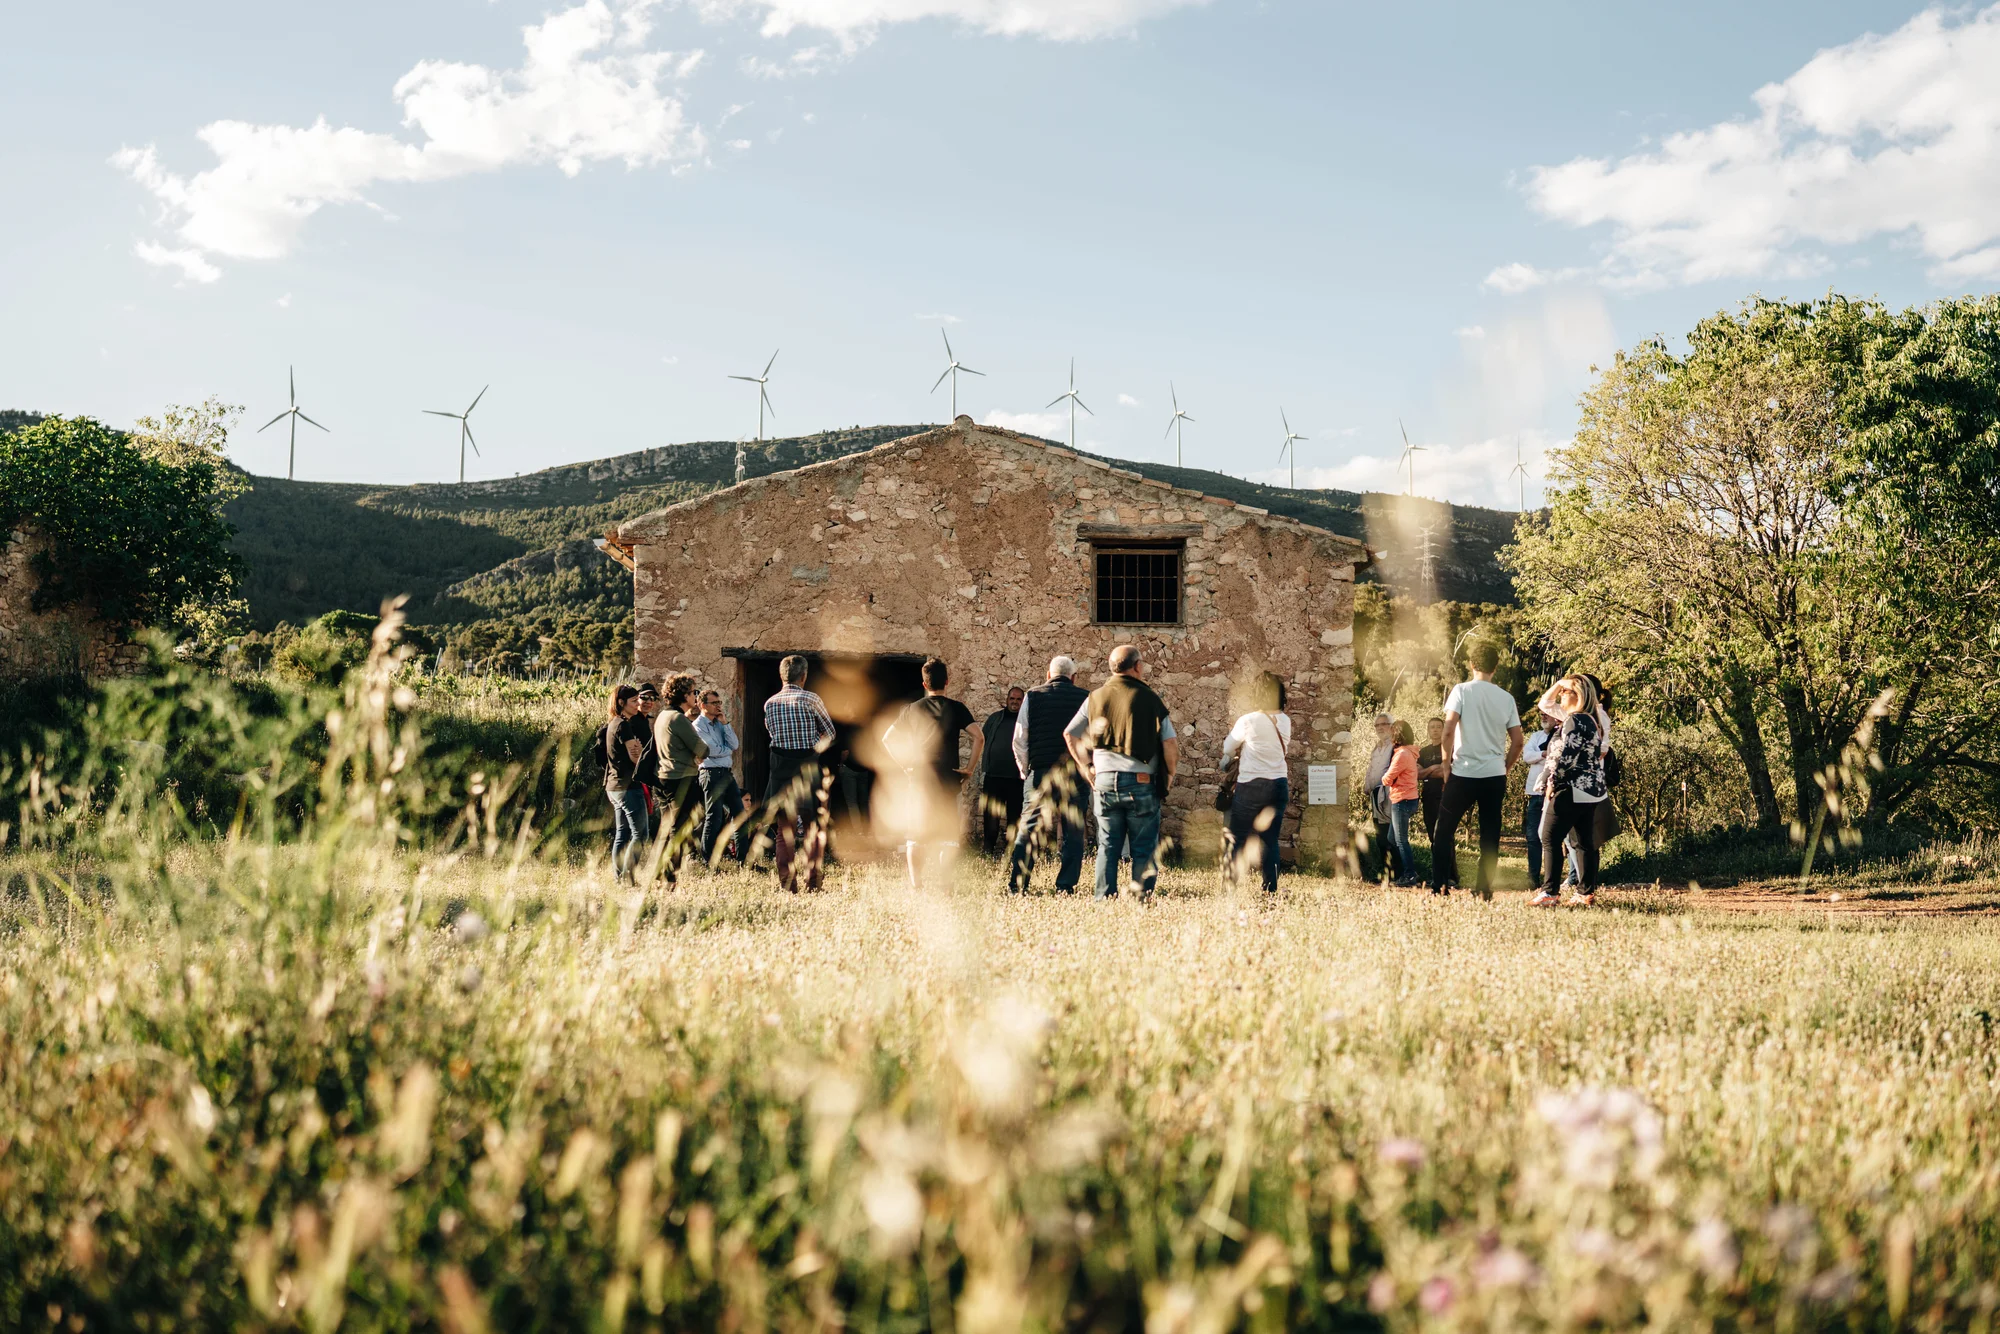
<point>1769,897</point>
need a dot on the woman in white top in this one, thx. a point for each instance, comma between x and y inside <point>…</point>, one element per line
<point>1572,784</point>
<point>1257,746</point>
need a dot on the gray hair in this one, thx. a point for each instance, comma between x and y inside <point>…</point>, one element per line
<point>792,671</point>
<point>1061,665</point>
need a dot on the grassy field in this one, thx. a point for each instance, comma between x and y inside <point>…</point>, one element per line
<point>278,1087</point>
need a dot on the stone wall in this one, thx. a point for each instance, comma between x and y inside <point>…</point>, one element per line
<point>68,639</point>
<point>964,543</point>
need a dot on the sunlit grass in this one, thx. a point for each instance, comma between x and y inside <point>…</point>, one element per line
<point>253,1089</point>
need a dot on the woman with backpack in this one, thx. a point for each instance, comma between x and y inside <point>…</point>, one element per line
<point>1256,745</point>
<point>619,745</point>
<point>1573,786</point>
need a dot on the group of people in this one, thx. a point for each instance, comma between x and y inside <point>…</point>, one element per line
<point>1474,745</point>
<point>669,773</point>
<point>669,770</point>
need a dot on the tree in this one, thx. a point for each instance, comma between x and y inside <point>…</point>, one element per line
<point>132,538</point>
<point>183,435</point>
<point>1726,538</point>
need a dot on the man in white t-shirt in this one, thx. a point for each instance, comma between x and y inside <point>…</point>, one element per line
<point>1482,740</point>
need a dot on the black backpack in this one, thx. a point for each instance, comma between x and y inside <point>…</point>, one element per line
<point>591,764</point>
<point>1614,768</point>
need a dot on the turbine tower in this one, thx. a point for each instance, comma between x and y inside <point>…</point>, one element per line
<point>464,420</point>
<point>953,367</point>
<point>763,401</point>
<point>1074,402</point>
<point>1291,445</point>
<point>1520,469</point>
<point>292,455</point>
<point>1174,422</point>
<point>1409,458</point>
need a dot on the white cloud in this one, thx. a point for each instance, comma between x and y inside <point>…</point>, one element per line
<point>1472,331</point>
<point>1886,136</point>
<point>1477,473</point>
<point>939,319</point>
<point>1048,425</point>
<point>1127,401</point>
<point>1061,20</point>
<point>739,144</point>
<point>285,301</point>
<point>586,91</point>
<point>1513,279</point>
<point>190,262</point>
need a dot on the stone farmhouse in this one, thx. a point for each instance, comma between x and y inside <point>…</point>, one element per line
<point>66,639</point>
<point>995,551</point>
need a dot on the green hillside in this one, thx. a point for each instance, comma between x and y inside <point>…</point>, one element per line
<point>503,572</point>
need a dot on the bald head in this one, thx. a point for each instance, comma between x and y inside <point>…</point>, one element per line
<point>1125,660</point>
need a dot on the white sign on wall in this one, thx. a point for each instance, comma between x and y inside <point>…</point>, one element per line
<point>1323,785</point>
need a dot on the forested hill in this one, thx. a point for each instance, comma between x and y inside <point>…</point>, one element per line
<point>503,571</point>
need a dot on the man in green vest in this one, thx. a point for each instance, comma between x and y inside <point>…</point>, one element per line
<point>1125,748</point>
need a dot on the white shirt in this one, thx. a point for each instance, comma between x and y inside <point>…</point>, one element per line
<point>1486,713</point>
<point>1532,750</point>
<point>1258,746</point>
<point>1110,761</point>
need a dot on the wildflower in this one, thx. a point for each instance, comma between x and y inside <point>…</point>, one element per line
<point>1835,1287</point>
<point>1505,1267</point>
<point>1407,1154</point>
<point>1712,1246</point>
<point>469,978</point>
<point>1381,1293</point>
<point>1437,1295</point>
<point>470,928</point>
<point>200,1110</point>
<point>1594,1244</point>
<point>1790,1228</point>
<point>895,1210</point>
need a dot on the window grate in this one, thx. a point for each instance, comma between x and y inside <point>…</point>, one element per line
<point>1138,585</point>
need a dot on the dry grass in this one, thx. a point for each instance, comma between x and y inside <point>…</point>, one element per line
<point>268,1090</point>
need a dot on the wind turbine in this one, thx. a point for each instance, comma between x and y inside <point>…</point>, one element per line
<point>292,456</point>
<point>1291,443</point>
<point>464,420</point>
<point>954,368</point>
<point>763,395</point>
<point>1174,423</point>
<point>1410,453</point>
<point>1074,402</point>
<point>1520,469</point>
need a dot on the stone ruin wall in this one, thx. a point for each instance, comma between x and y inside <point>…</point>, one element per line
<point>966,546</point>
<point>67,639</point>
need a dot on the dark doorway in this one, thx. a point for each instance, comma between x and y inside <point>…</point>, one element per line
<point>857,688</point>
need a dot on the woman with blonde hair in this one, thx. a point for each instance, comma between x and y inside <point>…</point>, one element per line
<point>1572,785</point>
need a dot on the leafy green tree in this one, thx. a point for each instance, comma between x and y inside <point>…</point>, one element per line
<point>1725,540</point>
<point>135,539</point>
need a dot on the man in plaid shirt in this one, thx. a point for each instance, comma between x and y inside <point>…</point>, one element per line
<point>800,729</point>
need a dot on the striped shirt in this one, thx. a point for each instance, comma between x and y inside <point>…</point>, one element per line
<point>796,718</point>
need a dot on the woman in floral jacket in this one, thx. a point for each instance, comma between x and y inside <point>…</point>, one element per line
<point>1572,784</point>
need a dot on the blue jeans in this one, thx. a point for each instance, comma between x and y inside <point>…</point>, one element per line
<point>630,829</point>
<point>1054,797</point>
<point>1531,825</point>
<point>1128,816</point>
<point>1400,815</point>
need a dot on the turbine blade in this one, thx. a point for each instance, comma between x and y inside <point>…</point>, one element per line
<point>275,420</point>
<point>435,413</point>
<point>1287,421</point>
<point>1186,418</point>
<point>475,400</point>
<point>767,403</point>
<point>304,418</point>
<point>292,383</point>
<point>1057,399</point>
<point>1080,403</point>
<point>969,371</point>
<point>1170,428</point>
<point>470,441</point>
<point>949,354</point>
<point>1175,396</point>
<point>747,379</point>
<point>772,362</point>
<point>941,378</point>
<point>1405,430</point>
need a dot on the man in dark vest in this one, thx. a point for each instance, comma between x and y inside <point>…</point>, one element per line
<point>1054,795</point>
<point>1124,743</point>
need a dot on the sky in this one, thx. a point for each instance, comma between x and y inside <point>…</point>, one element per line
<point>1355,221</point>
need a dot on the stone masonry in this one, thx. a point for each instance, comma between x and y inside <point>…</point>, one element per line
<point>67,639</point>
<point>964,542</point>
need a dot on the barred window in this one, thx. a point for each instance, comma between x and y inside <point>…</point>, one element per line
<point>1138,585</point>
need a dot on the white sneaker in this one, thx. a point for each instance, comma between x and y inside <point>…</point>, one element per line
<point>1544,900</point>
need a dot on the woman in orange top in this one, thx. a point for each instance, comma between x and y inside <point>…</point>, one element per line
<point>1405,793</point>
